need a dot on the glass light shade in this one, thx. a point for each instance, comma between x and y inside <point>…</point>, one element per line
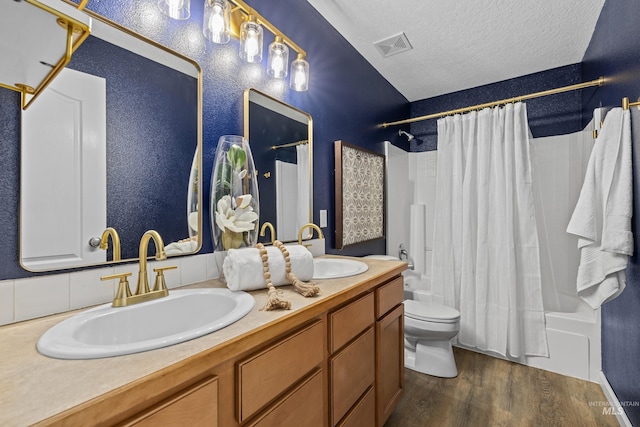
<point>251,41</point>
<point>299,80</point>
<point>176,9</point>
<point>217,21</point>
<point>278,59</point>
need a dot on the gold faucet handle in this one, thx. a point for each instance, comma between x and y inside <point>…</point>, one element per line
<point>123,292</point>
<point>160,284</point>
<point>121,276</point>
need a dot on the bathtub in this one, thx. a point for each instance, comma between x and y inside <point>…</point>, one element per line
<point>573,334</point>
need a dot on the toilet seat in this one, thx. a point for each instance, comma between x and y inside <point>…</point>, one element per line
<point>429,312</point>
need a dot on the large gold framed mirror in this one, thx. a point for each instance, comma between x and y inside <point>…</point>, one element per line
<point>281,139</point>
<point>116,141</point>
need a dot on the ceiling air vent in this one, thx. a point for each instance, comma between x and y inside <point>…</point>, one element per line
<point>392,45</point>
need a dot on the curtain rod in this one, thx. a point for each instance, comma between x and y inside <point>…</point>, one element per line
<point>597,82</point>
<point>291,144</point>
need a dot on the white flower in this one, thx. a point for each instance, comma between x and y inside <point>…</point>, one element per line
<point>235,215</point>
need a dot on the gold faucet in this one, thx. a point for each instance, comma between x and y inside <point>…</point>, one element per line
<point>309,225</point>
<point>143,282</point>
<point>143,293</point>
<point>115,240</point>
<point>270,227</point>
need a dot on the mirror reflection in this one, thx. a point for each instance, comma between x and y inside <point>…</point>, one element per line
<point>281,142</point>
<point>114,142</point>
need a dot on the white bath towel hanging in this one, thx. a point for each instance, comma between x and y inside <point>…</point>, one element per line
<point>602,217</point>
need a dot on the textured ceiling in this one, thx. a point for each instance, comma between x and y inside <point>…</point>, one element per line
<point>460,44</point>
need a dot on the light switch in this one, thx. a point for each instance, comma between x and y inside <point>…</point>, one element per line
<point>323,218</point>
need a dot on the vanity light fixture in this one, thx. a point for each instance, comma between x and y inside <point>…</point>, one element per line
<point>176,9</point>
<point>234,18</point>
<point>278,59</point>
<point>251,40</point>
<point>216,25</point>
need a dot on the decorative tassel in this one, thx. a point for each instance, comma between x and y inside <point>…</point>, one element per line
<point>274,302</point>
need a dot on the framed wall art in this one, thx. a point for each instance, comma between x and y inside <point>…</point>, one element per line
<point>360,195</point>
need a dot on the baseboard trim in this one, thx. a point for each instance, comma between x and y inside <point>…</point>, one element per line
<point>613,400</point>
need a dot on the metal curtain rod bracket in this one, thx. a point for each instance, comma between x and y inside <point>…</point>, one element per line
<point>291,144</point>
<point>597,82</point>
<point>626,104</point>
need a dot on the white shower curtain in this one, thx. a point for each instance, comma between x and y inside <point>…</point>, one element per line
<point>485,251</point>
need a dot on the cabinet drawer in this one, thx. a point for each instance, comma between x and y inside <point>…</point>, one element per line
<point>363,414</point>
<point>268,373</point>
<point>388,296</point>
<point>302,407</point>
<point>352,373</point>
<point>195,406</point>
<point>347,322</point>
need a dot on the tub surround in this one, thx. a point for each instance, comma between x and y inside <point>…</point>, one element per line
<point>49,391</point>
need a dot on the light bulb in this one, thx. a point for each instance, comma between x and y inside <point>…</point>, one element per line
<point>251,47</point>
<point>277,65</point>
<point>217,21</point>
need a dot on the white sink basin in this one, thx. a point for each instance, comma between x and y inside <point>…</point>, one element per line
<point>106,331</point>
<point>332,268</point>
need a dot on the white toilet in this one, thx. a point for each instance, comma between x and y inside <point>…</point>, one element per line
<point>428,330</point>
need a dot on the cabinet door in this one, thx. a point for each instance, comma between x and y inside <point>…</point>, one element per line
<point>389,362</point>
<point>196,406</point>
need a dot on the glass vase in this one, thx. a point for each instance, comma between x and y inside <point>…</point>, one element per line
<point>235,200</point>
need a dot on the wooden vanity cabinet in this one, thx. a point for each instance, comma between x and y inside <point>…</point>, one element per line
<point>338,362</point>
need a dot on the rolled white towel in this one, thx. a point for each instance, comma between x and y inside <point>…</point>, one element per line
<point>243,269</point>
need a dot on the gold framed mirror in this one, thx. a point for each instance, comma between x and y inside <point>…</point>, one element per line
<point>143,147</point>
<point>281,139</point>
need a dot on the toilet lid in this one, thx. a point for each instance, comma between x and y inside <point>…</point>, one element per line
<point>430,312</point>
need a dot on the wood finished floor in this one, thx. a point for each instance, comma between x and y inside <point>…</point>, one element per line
<point>494,392</point>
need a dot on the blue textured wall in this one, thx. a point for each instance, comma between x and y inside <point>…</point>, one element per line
<point>614,52</point>
<point>550,115</point>
<point>347,98</point>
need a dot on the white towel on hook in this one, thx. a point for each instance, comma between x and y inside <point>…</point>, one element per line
<point>243,269</point>
<point>602,217</point>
